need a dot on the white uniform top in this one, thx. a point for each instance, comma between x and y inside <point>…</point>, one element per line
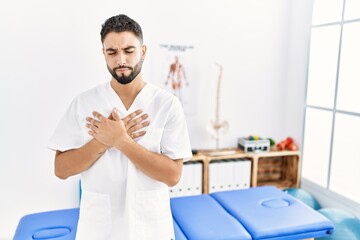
<point>118,200</point>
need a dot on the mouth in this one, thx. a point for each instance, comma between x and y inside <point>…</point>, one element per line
<point>122,70</point>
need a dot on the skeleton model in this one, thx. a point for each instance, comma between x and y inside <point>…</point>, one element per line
<point>218,127</point>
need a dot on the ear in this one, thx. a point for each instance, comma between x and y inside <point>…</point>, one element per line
<point>143,51</point>
<point>103,51</point>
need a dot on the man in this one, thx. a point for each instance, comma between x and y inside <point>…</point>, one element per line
<point>125,172</point>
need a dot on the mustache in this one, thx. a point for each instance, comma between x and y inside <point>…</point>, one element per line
<point>122,67</point>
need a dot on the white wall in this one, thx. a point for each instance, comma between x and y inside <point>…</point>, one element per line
<point>50,51</point>
<point>298,54</point>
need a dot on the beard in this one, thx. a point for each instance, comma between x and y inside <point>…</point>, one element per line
<point>122,79</point>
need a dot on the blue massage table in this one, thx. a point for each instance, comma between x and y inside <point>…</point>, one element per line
<point>59,225</point>
<point>263,213</point>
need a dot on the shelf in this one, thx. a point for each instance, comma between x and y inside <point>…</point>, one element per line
<point>276,168</point>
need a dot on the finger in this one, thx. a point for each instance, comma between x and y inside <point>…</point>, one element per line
<point>137,134</point>
<point>99,116</point>
<point>93,121</point>
<point>145,124</point>
<point>91,127</point>
<point>138,126</point>
<point>136,121</point>
<point>132,115</point>
<point>115,114</point>
<point>144,116</point>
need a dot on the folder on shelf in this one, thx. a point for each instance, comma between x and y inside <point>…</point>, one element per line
<point>197,178</point>
<point>190,182</point>
<point>213,182</point>
<point>187,177</point>
<point>243,169</point>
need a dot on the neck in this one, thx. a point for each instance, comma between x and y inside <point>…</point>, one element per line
<point>128,92</point>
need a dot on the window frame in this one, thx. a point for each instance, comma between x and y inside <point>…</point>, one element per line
<point>334,109</point>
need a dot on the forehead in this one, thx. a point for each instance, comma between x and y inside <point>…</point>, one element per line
<point>120,40</point>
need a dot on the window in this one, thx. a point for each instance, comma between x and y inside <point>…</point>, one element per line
<point>316,145</point>
<point>332,116</point>
<point>345,164</point>
<point>323,66</point>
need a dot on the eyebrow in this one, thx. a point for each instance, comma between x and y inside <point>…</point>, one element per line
<point>110,50</point>
<point>125,49</point>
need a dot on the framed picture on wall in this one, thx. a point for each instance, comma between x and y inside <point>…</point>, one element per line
<point>174,69</point>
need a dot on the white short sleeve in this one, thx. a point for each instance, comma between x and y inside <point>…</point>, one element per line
<point>175,141</point>
<point>68,134</point>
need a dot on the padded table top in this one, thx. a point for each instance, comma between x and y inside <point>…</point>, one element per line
<point>201,217</point>
<point>269,213</point>
<point>60,224</point>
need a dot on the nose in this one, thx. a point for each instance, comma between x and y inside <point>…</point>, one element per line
<point>121,60</point>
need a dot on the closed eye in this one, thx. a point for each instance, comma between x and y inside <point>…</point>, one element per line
<point>129,50</point>
<point>111,51</point>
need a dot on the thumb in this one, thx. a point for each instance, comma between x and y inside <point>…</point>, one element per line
<point>115,114</point>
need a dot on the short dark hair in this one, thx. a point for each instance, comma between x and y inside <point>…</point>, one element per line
<point>121,23</point>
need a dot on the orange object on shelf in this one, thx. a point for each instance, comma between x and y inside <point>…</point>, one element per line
<point>287,144</point>
<point>292,147</point>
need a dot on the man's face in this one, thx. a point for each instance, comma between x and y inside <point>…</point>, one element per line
<point>124,56</point>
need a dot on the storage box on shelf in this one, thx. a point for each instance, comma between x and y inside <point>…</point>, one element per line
<point>277,168</point>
